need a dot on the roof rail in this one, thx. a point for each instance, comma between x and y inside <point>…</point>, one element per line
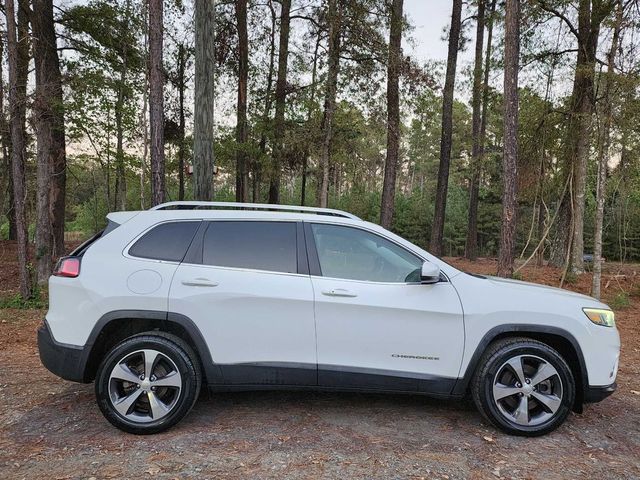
<point>195,205</point>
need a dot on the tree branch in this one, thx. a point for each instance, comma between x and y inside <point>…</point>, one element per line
<point>543,5</point>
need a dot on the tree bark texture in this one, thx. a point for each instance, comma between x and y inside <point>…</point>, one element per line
<point>182,63</point>
<point>471,247</point>
<point>242,132</point>
<point>334,16</point>
<point>281,93</point>
<point>393,115</point>
<point>203,134</point>
<point>5,139</point>
<point>437,229</point>
<point>603,152</point>
<point>16,113</point>
<point>50,137</point>
<point>156,101</point>
<point>570,229</point>
<point>510,154</point>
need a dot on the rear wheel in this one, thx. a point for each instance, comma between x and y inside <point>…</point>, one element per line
<point>524,387</point>
<point>148,383</point>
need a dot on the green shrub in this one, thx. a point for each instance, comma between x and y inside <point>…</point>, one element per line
<point>38,300</point>
<point>4,231</point>
<point>620,301</point>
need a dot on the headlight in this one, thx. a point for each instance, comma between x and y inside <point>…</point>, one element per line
<point>599,316</point>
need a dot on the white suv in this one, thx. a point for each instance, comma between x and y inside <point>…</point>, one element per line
<point>248,296</point>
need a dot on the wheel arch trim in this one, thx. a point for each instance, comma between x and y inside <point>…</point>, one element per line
<point>514,329</point>
<point>211,370</point>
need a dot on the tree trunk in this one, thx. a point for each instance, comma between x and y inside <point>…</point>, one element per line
<point>540,214</point>
<point>22,73</point>
<point>603,154</point>
<point>303,180</point>
<point>44,108</point>
<point>310,110</point>
<point>120,196</point>
<point>393,115</point>
<point>156,101</point>
<point>46,53</point>
<point>6,149</point>
<point>145,106</point>
<point>585,104</point>
<point>16,107</point>
<point>50,134</point>
<point>510,154</point>
<point>203,121</point>
<point>242,134</point>
<point>182,63</point>
<point>570,230</point>
<point>267,104</point>
<point>471,248</point>
<point>334,17</point>
<point>281,93</point>
<point>437,231</point>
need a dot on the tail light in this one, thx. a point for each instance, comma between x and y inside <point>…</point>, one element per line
<point>67,267</point>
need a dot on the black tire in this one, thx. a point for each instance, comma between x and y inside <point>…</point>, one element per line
<point>497,412</point>
<point>174,352</point>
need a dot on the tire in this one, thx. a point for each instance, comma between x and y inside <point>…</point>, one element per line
<point>142,404</point>
<point>533,407</point>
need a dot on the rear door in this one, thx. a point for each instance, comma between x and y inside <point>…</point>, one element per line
<point>245,284</point>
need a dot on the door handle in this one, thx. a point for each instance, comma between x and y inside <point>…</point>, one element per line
<point>339,292</point>
<point>199,282</point>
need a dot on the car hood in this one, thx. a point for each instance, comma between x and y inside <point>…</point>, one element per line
<point>518,284</point>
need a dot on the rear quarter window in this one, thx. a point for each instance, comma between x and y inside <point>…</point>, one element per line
<point>167,241</point>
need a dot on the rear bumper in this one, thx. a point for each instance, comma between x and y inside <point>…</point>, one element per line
<point>65,361</point>
<point>597,394</point>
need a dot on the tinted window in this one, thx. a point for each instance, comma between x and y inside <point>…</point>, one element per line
<point>257,245</point>
<point>355,254</point>
<point>168,241</point>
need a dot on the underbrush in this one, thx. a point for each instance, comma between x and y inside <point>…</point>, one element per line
<point>37,300</point>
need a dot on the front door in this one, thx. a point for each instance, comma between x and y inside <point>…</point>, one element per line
<point>249,293</point>
<point>377,326</point>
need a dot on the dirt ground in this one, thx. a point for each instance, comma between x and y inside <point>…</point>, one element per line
<point>50,428</point>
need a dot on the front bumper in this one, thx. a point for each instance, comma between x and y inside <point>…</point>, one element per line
<point>597,394</point>
<point>65,361</point>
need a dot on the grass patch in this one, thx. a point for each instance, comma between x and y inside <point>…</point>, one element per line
<point>620,301</point>
<point>37,300</point>
<point>516,276</point>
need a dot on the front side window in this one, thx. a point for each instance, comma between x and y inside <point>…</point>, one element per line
<point>355,254</point>
<point>256,245</point>
<point>167,241</point>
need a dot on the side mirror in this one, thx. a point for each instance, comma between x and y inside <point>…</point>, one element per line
<point>430,273</point>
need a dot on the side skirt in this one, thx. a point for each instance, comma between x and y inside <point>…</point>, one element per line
<point>291,376</point>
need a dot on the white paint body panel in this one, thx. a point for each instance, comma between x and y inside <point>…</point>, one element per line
<point>254,316</point>
<point>381,320</point>
<point>250,315</point>
<point>492,302</point>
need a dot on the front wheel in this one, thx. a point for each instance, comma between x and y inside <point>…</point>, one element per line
<point>524,387</point>
<point>148,383</point>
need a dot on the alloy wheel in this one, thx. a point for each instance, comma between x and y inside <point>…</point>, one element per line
<point>527,390</point>
<point>144,386</point>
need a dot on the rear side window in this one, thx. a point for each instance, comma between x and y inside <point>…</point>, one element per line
<point>167,241</point>
<point>257,245</point>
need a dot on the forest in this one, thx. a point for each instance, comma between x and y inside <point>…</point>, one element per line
<point>529,151</point>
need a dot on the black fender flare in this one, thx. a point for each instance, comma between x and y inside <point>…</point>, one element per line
<point>462,383</point>
<point>212,371</point>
